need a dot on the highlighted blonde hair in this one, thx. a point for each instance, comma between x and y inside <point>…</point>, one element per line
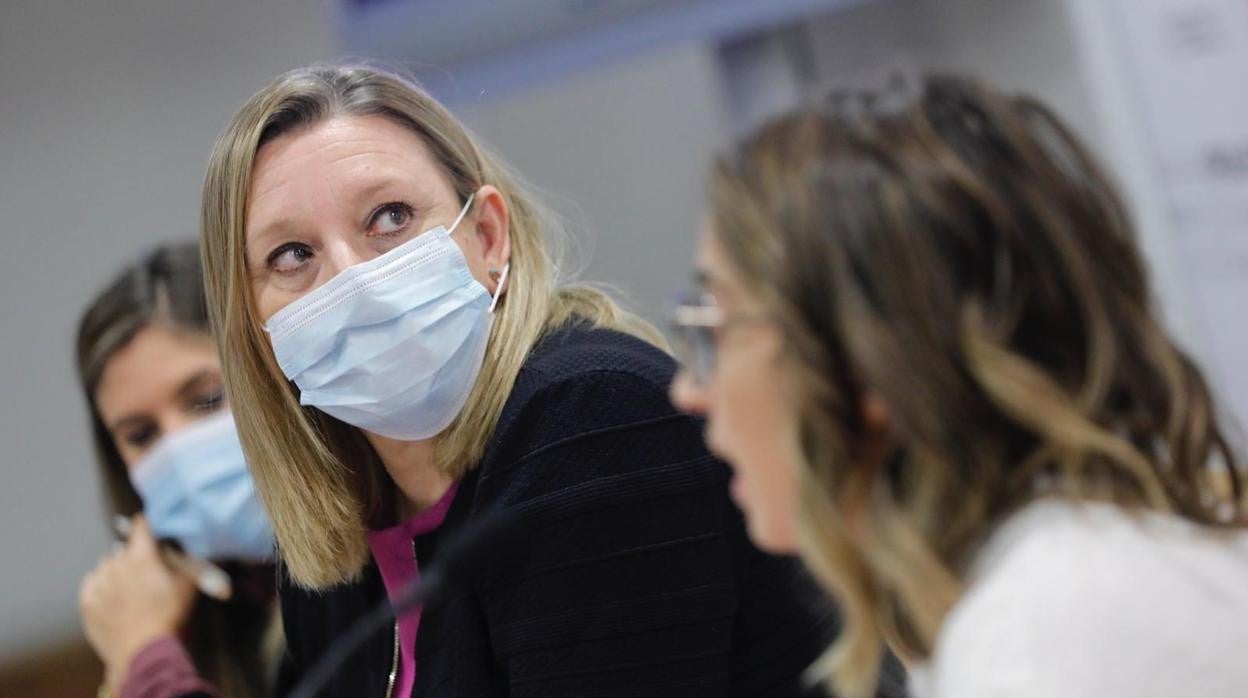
<point>956,253</point>
<point>320,480</point>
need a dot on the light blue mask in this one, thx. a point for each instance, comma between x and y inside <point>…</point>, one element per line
<point>196,489</point>
<point>392,345</point>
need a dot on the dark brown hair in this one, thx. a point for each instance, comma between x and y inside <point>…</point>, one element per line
<point>956,253</point>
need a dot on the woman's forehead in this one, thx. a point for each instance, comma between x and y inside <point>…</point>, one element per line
<point>337,163</point>
<point>347,144</point>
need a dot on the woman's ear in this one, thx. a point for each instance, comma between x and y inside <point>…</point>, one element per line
<point>876,417</point>
<point>492,230</point>
<point>869,451</point>
<point>874,442</point>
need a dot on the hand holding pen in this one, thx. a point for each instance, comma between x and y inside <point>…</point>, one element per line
<point>210,579</point>
<point>131,598</point>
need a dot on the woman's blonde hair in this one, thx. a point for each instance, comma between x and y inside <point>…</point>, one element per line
<point>319,478</point>
<point>956,254</point>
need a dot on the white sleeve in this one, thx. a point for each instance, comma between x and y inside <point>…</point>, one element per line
<point>1001,640</point>
<point>1082,611</point>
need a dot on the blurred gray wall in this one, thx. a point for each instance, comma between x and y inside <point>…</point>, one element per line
<point>107,113</point>
<point>620,153</point>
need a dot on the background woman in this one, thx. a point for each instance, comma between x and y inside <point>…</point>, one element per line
<point>925,326</point>
<point>167,447</point>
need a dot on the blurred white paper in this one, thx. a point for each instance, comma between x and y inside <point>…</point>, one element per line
<point>1188,60</point>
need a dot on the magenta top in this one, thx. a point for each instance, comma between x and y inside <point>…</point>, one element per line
<point>163,669</point>
<point>395,554</point>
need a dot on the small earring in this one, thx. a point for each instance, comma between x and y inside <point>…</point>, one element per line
<point>499,277</point>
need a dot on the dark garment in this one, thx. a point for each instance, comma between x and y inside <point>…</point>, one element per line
<point>636,577</point>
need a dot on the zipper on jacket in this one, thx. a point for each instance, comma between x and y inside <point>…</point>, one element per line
<point>394,662</point>
<point>394,657</point>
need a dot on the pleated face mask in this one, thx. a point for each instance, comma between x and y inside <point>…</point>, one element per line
<point>196,489</point>
<point>392,345</point>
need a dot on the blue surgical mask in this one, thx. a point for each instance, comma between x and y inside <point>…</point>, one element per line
<point>196,490</point>
<point>392,345</point>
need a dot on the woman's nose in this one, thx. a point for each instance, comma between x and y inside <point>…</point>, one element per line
<point>339,254</point>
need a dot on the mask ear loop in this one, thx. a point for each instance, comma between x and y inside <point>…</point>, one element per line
<point>498,292</point>
<point>502,278</point>
<point>462,212</point>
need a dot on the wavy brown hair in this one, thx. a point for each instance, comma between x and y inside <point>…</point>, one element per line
<point>956,253</point>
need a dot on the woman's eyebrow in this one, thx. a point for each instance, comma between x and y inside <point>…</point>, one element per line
<point>190,385</point>
<point>126,421</point>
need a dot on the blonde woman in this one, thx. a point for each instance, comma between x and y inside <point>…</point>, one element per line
<point>924,326</point>
<point>168,455</point>
<point>402,364</point>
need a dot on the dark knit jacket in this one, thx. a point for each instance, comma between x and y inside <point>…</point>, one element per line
<point>635,577</point>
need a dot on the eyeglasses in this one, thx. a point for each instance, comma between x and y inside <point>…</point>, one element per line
<point>696,324</point>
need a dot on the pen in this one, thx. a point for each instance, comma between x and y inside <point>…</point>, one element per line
<point>210,579</point>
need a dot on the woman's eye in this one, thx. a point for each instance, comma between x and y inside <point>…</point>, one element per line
<point>209,403</point>
<point>390,219</point>
<point>289,258</point>
<point>141,437</point>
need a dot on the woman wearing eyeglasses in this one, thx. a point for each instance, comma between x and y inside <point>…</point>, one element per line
<point>922,324</point>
